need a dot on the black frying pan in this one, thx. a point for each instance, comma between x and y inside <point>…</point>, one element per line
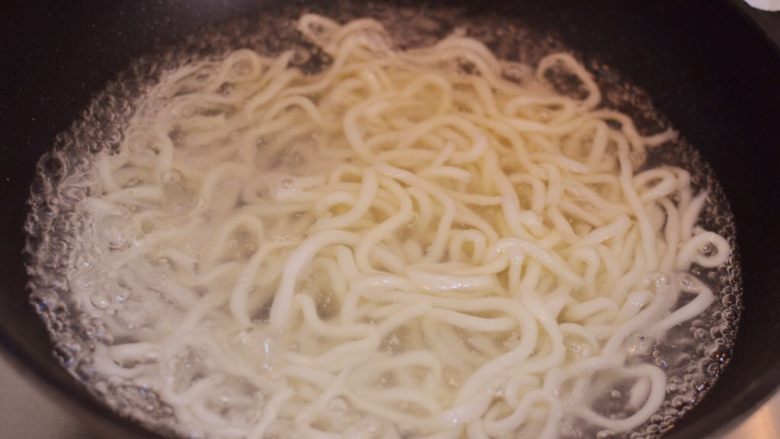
<point>705,65</point>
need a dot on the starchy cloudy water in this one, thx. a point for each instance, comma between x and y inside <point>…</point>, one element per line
<point>354,231</point>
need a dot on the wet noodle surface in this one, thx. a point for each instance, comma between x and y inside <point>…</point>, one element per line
<point>173,333</point>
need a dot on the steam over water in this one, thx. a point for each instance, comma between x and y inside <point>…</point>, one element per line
<point>692,354</point>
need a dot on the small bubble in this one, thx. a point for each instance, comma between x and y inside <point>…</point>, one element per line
<point>706,249</point>
<point>715,331</point>
<point>678,401</point>
<point>100,301</point>
<point>226,89</point>
<point>121,295</point>
<point>131,315</point>
<point>68,352</point>
<point>662,281</point>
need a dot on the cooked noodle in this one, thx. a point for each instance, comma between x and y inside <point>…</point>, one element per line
<point>406,244</point>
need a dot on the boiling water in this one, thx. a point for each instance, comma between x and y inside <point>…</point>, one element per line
<point>692,355</point>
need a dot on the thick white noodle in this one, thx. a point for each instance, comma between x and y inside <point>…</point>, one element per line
<point>390,248</point>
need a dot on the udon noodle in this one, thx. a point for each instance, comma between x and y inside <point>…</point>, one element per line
<point>423,243</point>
